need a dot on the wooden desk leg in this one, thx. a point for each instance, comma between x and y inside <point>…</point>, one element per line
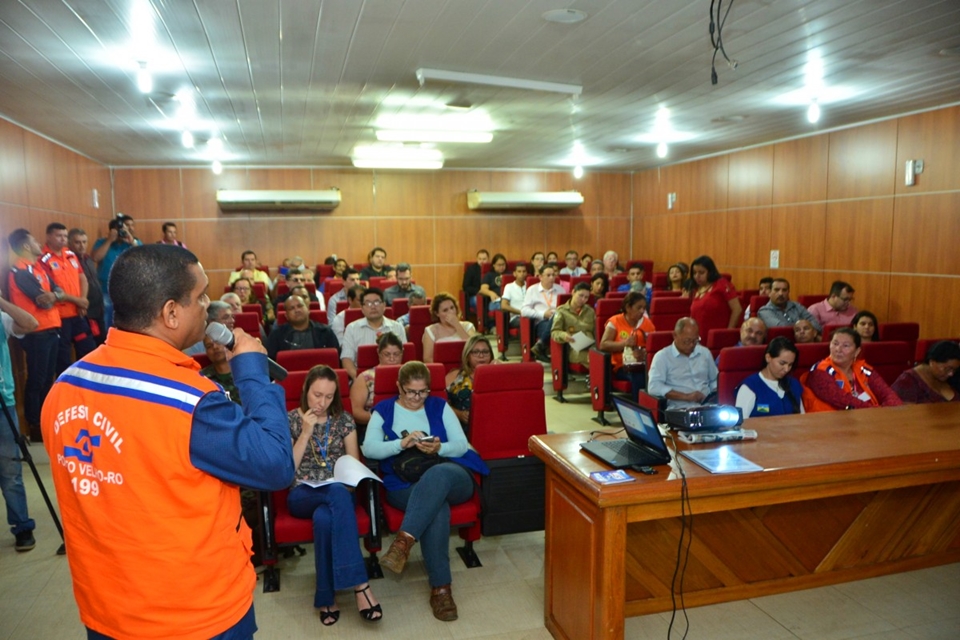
<point>584,568</point>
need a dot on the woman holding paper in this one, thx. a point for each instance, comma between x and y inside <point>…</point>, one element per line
<point>625,338</point>
<point>323,432</point>
<point>575,316</point>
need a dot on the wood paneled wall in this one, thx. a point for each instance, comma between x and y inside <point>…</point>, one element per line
<point>835,206</point>
<point>420,218</point>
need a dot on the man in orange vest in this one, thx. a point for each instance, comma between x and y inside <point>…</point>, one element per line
<point>147,457</point>
<point>31,290</point>
<point>65,271</point>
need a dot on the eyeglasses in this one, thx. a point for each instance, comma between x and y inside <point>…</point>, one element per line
<point>372,303</point>
<point>415,393</point>
<point>481,352</point>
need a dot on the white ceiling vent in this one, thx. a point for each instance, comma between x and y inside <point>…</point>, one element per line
<point>499,200</point>
<point>278,200</point>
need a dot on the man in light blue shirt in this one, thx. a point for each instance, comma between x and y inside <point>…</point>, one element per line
<point>684,373</point>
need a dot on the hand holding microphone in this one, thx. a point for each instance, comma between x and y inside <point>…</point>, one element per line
<point>239,341</point>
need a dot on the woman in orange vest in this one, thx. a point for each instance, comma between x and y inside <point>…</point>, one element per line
<point>626,333</point>
<point>841,381</point>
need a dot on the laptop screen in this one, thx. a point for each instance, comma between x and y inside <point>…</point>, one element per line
<point>640,425</point>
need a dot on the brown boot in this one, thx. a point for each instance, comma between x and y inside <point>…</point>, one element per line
<point>395,559</point>
<point>441,601</point>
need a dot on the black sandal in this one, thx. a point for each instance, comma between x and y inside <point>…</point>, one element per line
<point>329,618</point>
<point>368,614</point>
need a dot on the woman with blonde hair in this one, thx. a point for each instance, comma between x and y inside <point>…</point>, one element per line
<point>476,351</point>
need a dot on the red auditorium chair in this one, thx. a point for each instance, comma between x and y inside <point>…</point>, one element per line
<point>779,332</point>
<point>306,359</point>
<point>808,300</point>
<point>658,280</point>
<point>719,339</point>
<point>829,329</point>
<point>420,319</point>
<point>737,364</point>
<point>920,353</point>
<point>400,306</point>
<point>908,332</point>
<point>449,353</point>
<point>889,359</point>
<point>331,288</point>
<point>756,302</point>
<point>664,312</point>
<point>602,383</point>
<point>254,308</point>
<point>315,314</point>
<point>661,293</point>
<point>809,355</point>
<point>249,322</point>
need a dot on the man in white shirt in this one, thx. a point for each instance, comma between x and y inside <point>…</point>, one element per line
<point>684,373</point>
<point>511,298</point>
<point>367,329</point>
<point>573,267</point>
<point>540,303</point>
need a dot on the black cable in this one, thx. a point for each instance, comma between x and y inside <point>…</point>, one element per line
<point>716,36</point>
<point>684,507</point>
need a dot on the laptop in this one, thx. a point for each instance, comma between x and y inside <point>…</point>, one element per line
<point>644,444</point>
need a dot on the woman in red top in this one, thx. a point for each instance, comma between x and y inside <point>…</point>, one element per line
<point>715,303</point>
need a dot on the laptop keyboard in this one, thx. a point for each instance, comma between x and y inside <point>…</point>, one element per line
<point>620,447</point>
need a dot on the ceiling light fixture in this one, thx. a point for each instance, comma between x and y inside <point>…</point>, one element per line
<point>375,156</point>
<point>421,135</point>
<point>496,81</point>
<point>813,113</point>
<point>144,79</point>
<point>578,172</point>
<point>217,167</point>
<point>187,139</point>
<point>565,16</point>
<point>215,146</point>
<point>662,150</point>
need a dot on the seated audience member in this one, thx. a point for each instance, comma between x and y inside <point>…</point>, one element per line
<point>780,310</point>
<point>676,275</point>
<point>217,311</point>
<point>492,284</point>
<point>376,264</point>
<point>772,391</point>
<point>473,278</point>
<point>448,325</point>
<point>339,266</point>
<point>765,286</point>
<point>933,380</point>
<point>572,267</point>
<point>249,260</point>
<point>367,329</point>
<point>244,288</point>
<point>716,304</point>
<point>537,260</point>
<point>841,381</point>
<point>585,261</point>
<point>626,333</point>
<point>232,299</point>
<point>353,302</point>
<point>390,273</point>
<point>476,351</point>
<point>389,352</point>
<point>351,278</point>
<point>300,332</point>
<point>169,230</point>
<point>836,309</point>
<point>865,323</point>
<point>297,279</point>
<point>552,257</point>
<point>322,433</point>
<point>540,303</point>
<point>415,300</point>
<point>635,282</point>
<point>219,368</point>
<point>804,332</point>
<point>611,264</point>
<point>684,373</point>
<point>397,425</point>
<point>574,316</point>
<point>513,294</point>
<point>596,267</point>
<point>753,332</point>
<point>404,287</point>
<point>599,285</point>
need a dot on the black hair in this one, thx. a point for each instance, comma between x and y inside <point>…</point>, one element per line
<point>601,276</point>
<point>713,274</point>
<point>349,271</point>
<point>582,286</point>
<point>145,278</point>
<point>374,250</point>
<point>356,292</point>
<point>837,288</point>
<point>372,290</point>
<point>17,239</point>
<point>867,314</point>
<point>766,280</point>
<point>942,351</point>
<point>632,298</point>
<point>167,224</point>
<point>777,346</point>
<point>389,339</point>
<point>497,256</point>
<point>56,226</point>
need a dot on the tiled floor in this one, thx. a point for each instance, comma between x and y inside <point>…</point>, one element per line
<point>504,598</point>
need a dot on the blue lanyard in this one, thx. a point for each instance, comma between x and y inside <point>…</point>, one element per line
<point>322,446</point>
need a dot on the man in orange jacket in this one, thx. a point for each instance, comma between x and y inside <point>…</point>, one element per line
<point>147,457</point>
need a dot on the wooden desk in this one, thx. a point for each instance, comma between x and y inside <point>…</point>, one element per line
<point>843,496</point>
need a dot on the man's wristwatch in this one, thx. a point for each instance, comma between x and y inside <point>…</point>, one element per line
<point>59,295</point>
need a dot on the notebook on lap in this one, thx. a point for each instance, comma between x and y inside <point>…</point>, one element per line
<point>644,444</point>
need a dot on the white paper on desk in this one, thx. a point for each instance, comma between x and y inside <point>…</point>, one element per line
<point>349,471</point>
<point>580,341</point>
<point>721,460</point>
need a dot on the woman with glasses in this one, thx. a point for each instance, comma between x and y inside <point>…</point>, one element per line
<point>933,380</point>
<point>416,420</point>
<point>477,351</point>
<point>389,351</point>
<point>448,325</point>
<point>323,432</point>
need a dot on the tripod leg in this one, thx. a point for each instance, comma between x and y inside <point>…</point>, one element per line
<point>25,454</point>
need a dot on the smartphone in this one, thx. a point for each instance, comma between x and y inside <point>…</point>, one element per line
<point>427,439</point>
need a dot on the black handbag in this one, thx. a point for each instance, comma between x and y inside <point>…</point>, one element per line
<point>412,463</point>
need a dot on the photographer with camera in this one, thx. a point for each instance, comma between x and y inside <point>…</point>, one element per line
<point>120,237</point>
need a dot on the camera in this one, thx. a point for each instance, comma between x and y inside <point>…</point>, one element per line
<point>121,227</point>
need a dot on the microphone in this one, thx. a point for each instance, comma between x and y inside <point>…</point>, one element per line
<point>223,336</point>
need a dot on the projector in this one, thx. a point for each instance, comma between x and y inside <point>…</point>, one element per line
<point>709,417</point>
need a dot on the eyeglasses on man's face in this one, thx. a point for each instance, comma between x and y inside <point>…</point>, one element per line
<point>372,303</point>
<point>414,394</point>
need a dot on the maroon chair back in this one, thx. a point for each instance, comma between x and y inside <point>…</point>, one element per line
<point>657,340</point>
<point>351,315</point>
<point>293,387</point>
<point>419,320</point>
<point>281,317</point>
<point>253,308</point>
<point>575,280</point>
<point>810,354</point>
<point>920,353</point>
<point>506,409</point>
<point>660,293</point>
<point>314,305</point>
<point>318,316</point>
<point>779,332</point>
<point>808,300</point>
<point>830,328</point>
<point>249,322</point>
<point>719,339</point>
<point>325,270</point>
<point>282,288</point>
<point>905,331</point>
<point>331,288</point>
<point>306,359</point>
<point>617,281</point>
<point>400,306</point>
<point>756,302</point>
<point>658,280</point>
<point>259,290</point>
<point>449,354</point>
<point>889,359</point>
<point>367,357</point>
<point>616,295</point>
<point>736,364</point>
<point>664,312</point>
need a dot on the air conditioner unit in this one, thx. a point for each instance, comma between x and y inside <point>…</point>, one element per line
<point>524,200</point>
<point>278,200</point>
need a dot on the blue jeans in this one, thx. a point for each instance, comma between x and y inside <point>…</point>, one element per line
<point>41,349</point>
<point>335,545</point>
<point>542,329</point>
<point>637,379</point>
<point>11,476</point>
<point>242,630</point>
<point>427,518</point>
